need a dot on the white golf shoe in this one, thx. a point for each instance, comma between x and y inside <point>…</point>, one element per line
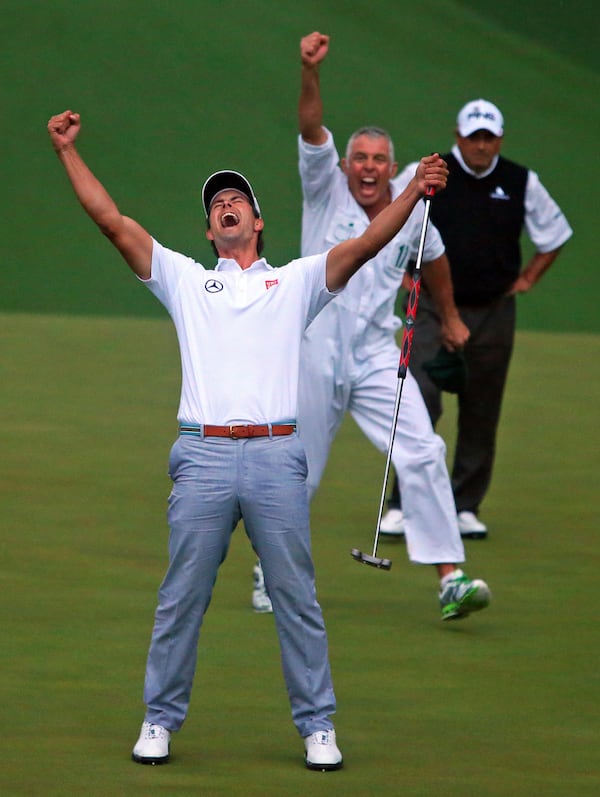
<point>322,753</point>
<point>261,602</point>
<point>392,523</point>
<point>153,745</point>
<point>470,526</point>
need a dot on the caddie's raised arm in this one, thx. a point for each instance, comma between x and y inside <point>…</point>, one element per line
<point>132,240</point>
<point>313,49</point>
<point>347,257</point>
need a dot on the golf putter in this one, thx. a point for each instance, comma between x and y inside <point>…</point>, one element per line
<point>413,302</point>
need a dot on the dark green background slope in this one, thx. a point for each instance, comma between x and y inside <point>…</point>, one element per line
<point>567,27</point>
<point>170,91</point>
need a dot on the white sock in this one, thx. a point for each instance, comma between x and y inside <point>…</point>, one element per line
<point>451,576</point>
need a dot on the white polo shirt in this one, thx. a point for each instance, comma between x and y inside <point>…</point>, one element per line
<point>239,333</point>
<point>330,214</point>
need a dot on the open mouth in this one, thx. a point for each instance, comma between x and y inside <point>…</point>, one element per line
<point>368,184</point>
<point>229,219</point>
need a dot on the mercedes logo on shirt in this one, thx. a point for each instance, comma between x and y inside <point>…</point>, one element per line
<point>213,286</point>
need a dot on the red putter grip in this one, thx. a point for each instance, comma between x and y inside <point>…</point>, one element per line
<point>411,310</point>
<point>409,325</point>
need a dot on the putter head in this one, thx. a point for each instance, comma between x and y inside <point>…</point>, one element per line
<point>373,561</point>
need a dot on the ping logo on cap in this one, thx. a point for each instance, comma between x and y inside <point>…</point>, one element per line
<point>477,114</point>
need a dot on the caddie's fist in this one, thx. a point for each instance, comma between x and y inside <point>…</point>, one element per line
<point>63,129</point>
<point>313,48</point>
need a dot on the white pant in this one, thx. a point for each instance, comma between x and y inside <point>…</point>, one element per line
<point>333,382</point>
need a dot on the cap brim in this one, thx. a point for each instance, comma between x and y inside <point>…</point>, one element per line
<point>470,129</point>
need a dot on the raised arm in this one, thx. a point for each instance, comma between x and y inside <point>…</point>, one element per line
<point>313,49</point>
<point>132,241</point>
<point>347,257</point>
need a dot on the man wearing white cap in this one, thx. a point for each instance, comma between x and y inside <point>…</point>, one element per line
<point>480,216</point>
<point>237,455</point>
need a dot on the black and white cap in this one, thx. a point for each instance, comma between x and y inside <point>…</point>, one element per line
<point>223,180</point>
<point>479,115</point>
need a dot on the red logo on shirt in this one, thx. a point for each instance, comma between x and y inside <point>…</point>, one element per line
<point>271,283</point>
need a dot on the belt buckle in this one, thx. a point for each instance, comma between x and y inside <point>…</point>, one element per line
<point>239,431</point>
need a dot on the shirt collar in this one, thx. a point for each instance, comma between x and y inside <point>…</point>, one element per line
<point>477,175</point>
<point>228,264</point>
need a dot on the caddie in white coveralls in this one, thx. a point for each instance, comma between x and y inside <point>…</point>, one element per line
<point>349,355</point>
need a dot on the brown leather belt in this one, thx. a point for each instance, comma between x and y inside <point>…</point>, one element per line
<point>237,432</point>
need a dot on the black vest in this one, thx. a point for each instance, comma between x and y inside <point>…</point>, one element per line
<point>480,222</point>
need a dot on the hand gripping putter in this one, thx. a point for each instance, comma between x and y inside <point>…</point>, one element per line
<point>407,336</point>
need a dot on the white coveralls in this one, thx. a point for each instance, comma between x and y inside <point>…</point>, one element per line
<point>350,358</point>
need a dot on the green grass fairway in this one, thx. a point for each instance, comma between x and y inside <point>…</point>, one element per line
<point>504,703</point>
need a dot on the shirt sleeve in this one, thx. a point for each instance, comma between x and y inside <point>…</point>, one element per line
<point>434,245</point>
<point>317,164</point>
<point>545,222</point>
<point>167,270</point>
<point>314,274</point>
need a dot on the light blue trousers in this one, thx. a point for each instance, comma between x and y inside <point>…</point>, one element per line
<point>216,482</point>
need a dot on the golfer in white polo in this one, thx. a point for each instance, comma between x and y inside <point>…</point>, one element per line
<point>237,455</point>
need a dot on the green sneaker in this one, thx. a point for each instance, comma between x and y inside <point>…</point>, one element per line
<point>460,595</point>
